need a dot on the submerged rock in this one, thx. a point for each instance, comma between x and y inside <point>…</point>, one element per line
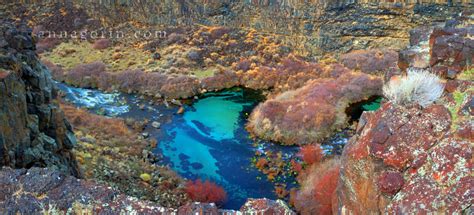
<point>180,110</point>
<point>156,125</point>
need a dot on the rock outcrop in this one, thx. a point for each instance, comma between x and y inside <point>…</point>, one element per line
<point>405,160</point>
<point>40,191</point>
<point>409,159</point>
<point>33,130</point>
<point>446,48</point>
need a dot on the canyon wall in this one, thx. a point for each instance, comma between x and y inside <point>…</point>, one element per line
<point>33,129</point>
<point>311,28</point>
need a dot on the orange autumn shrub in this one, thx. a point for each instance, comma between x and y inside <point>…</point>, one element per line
<point>112,127</point>
<point>86,75</point>
<point>313,112</point>
<point>261,163</point>
<point>110,152</point>
<point>101,44</point>
<point>311,153</point>
<point>206,192</point>
<point>318,186</point>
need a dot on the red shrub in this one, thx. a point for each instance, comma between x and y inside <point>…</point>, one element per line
<point>101,44</point>
<point>205,192</point>
<point>180,87</point>
<point>370,61</point>
<point>221,80</point>
<point>296,166</point>
<point>311,154</point>
<point>318,187</point>
<point>86,75</point>
<point>313,112</point>
<point>130,80</point>
<point>46,44</point>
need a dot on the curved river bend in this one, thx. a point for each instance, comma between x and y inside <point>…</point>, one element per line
<point>207,141</point>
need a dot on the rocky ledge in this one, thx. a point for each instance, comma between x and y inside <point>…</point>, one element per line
<point>46,191</point>
<point>33,130</point>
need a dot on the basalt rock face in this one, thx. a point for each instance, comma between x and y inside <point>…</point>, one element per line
<point>446,48</point>
<point>312,28</point>
<point>405,160</point>
<point>33,130</point>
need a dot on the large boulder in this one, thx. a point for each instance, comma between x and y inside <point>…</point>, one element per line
<point>446,48</point>
<point>405,160</point>
<point>33,129</point>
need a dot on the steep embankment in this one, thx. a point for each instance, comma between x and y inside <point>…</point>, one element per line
<point>33,129</point>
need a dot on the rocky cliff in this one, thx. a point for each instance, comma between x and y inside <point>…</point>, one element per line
<point>33,130</point>
<point>313,28</point>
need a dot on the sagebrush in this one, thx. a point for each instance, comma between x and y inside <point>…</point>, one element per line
<point>417,87</point>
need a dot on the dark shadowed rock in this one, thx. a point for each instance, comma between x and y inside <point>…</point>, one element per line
<point>446,48</point>
<point>33,129</point>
